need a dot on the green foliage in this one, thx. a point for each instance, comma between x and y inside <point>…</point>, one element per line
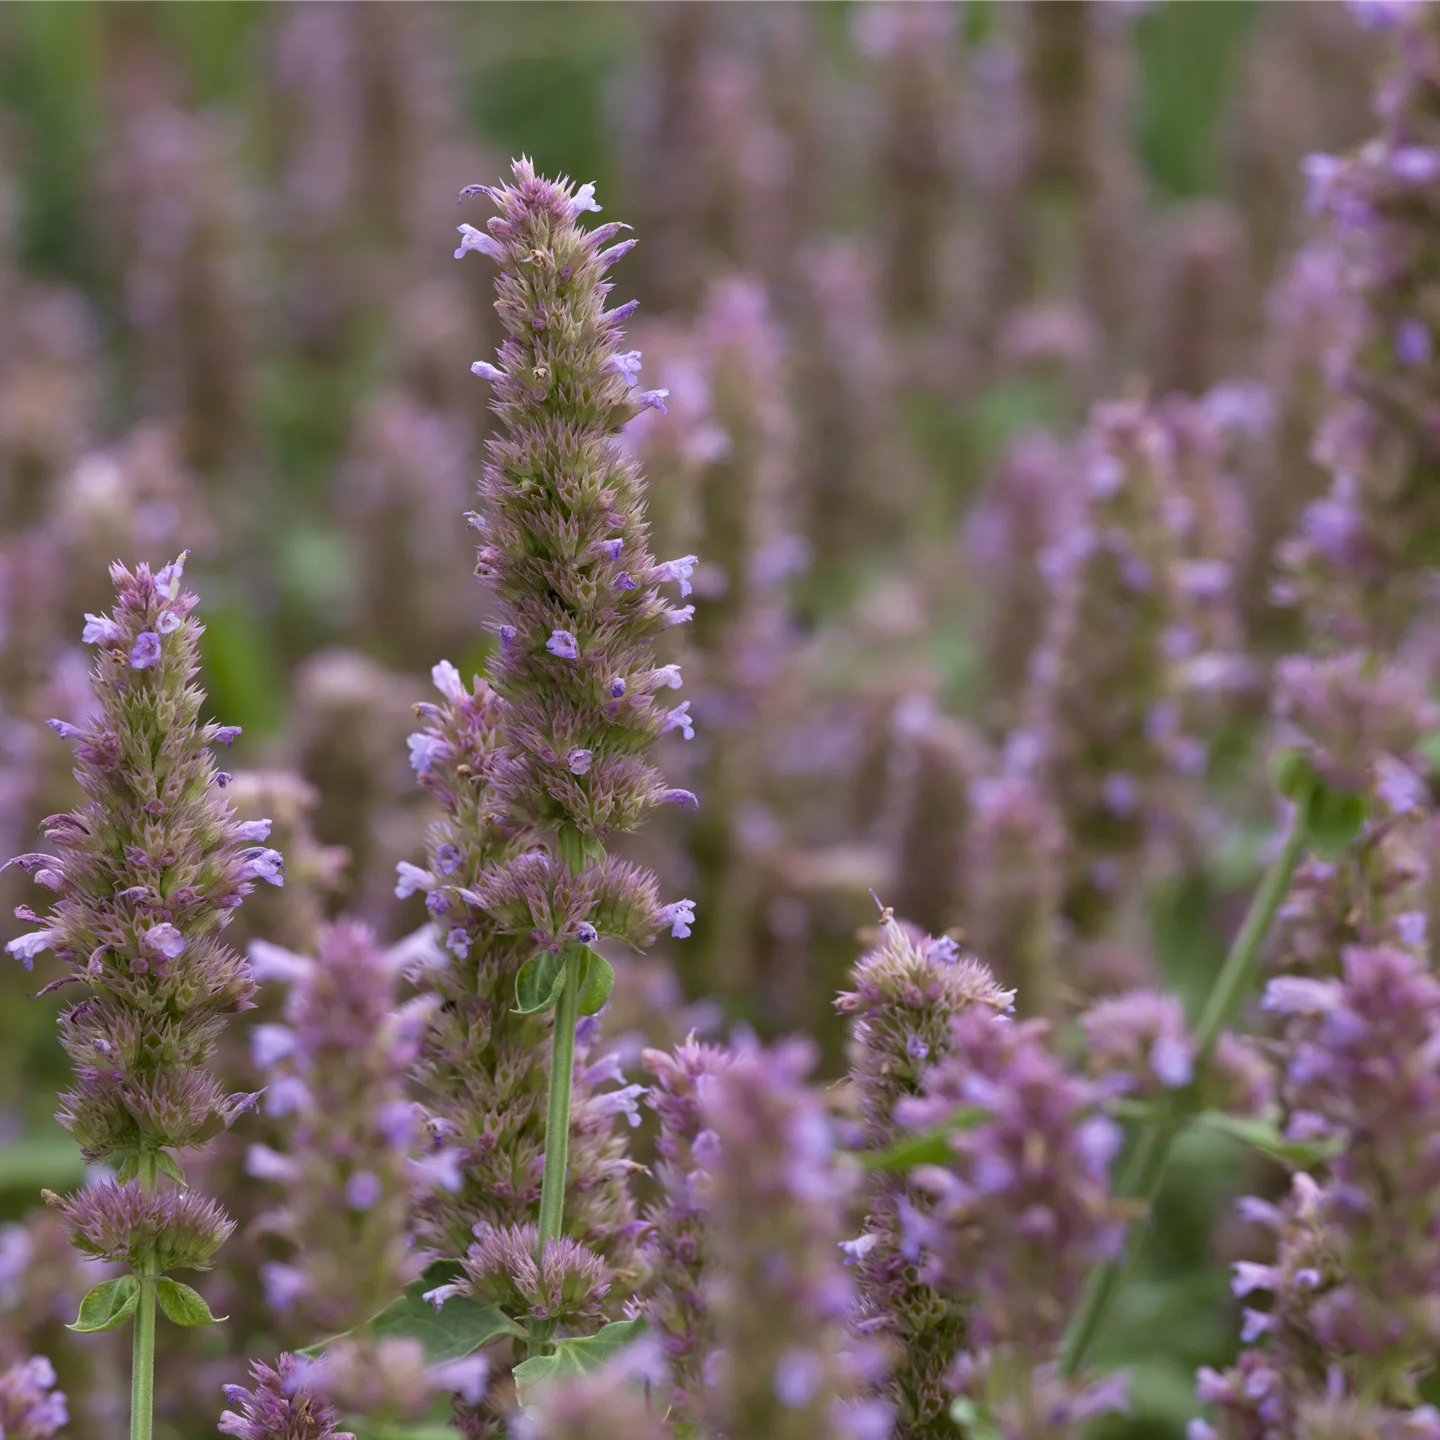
<point>108,1306</point>
<point>182,1305</point>
<point>929,1147</point>
<point>1265,1135</point>
<point>575,1355</point>
<point>539,983</point>
<point>459,1328</point>
<point>597,980</point>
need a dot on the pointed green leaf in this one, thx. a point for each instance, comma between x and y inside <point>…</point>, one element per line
<point>596,983</point>
<point>1295,776</point>
<point>108,1305</point>
<point>575,1355</point>
<point>128,1168</point>
<point>1333,819</point>
<point>183,1305</point>
<point>169,1165</point>
<point>1264,1135</point>
<point>539,983</point>
<point>459,1328</point>
<point>929,1147</point>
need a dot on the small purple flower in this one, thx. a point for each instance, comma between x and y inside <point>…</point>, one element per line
<point>627,365</point>
<point>252,830</point>
<point>100,630</point>
<point>679,719</point>
<point>423,751</point>
<point>457,942</point>
<point>617,688</point>
<point>586,933</point>
<point>26,947</point>
<point>507,636</point>
<point>583,200</point>
<point>486,371</point>
<point>411,878</point>
<point>625,581</point>
<point>164,940</point>
<point>652,400</point>
<point>681,570</point>
<point>473,239</point>
<point>563,644</point>
<point>270,1044</point>
<point>263,864</point>
<point>679,916</point>
<point>680,616</point>
<point>1414,344</point>
<point>447,858</point>
<point>666,677</point>
<point>64,729</point>
<point>146,650</point>
<point>225,735</point>
<point>608,257</point>
<point>798,1377</point>
<point>363,1190</point>
<point>578,759</point>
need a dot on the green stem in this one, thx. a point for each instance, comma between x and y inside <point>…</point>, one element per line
<point>1146,1168</point>
<point>557,1111</point>
<point>557,1125</point>
<point>142,1370</point>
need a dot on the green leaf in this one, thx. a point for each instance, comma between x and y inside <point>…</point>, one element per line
<point>1333,819</point>
<point>929,1147</point>
<point>597,980</point>
<point>128,1168</point>
<point>575,1355</point>
<point>108,1305</point>
<point>1264,1135</point>
<point>539,983</point>
<point>182,1305</point>
<point>976,1424</point>
<point>1295,776</point>
<point>459,1328</point>
<point>167,1164</point>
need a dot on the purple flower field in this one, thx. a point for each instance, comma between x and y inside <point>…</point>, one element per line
<point>775,781</point>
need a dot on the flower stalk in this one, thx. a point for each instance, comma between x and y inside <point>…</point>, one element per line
<point>1145,1170</point>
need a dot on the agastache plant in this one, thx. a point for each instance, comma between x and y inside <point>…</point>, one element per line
<point>150,869</point>
<point>563,546</point>
<point>906,992</point>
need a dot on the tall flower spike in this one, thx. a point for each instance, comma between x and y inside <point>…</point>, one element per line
<point>1099,716</point>
<point>779,1298</point>
<point>337,1071</point>
<point>564,549</point>
<point>906,992</point>
<point>676,1242</point>
<point>1019,1216</point>
<point>149,872</point>
<point>563,526</point>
